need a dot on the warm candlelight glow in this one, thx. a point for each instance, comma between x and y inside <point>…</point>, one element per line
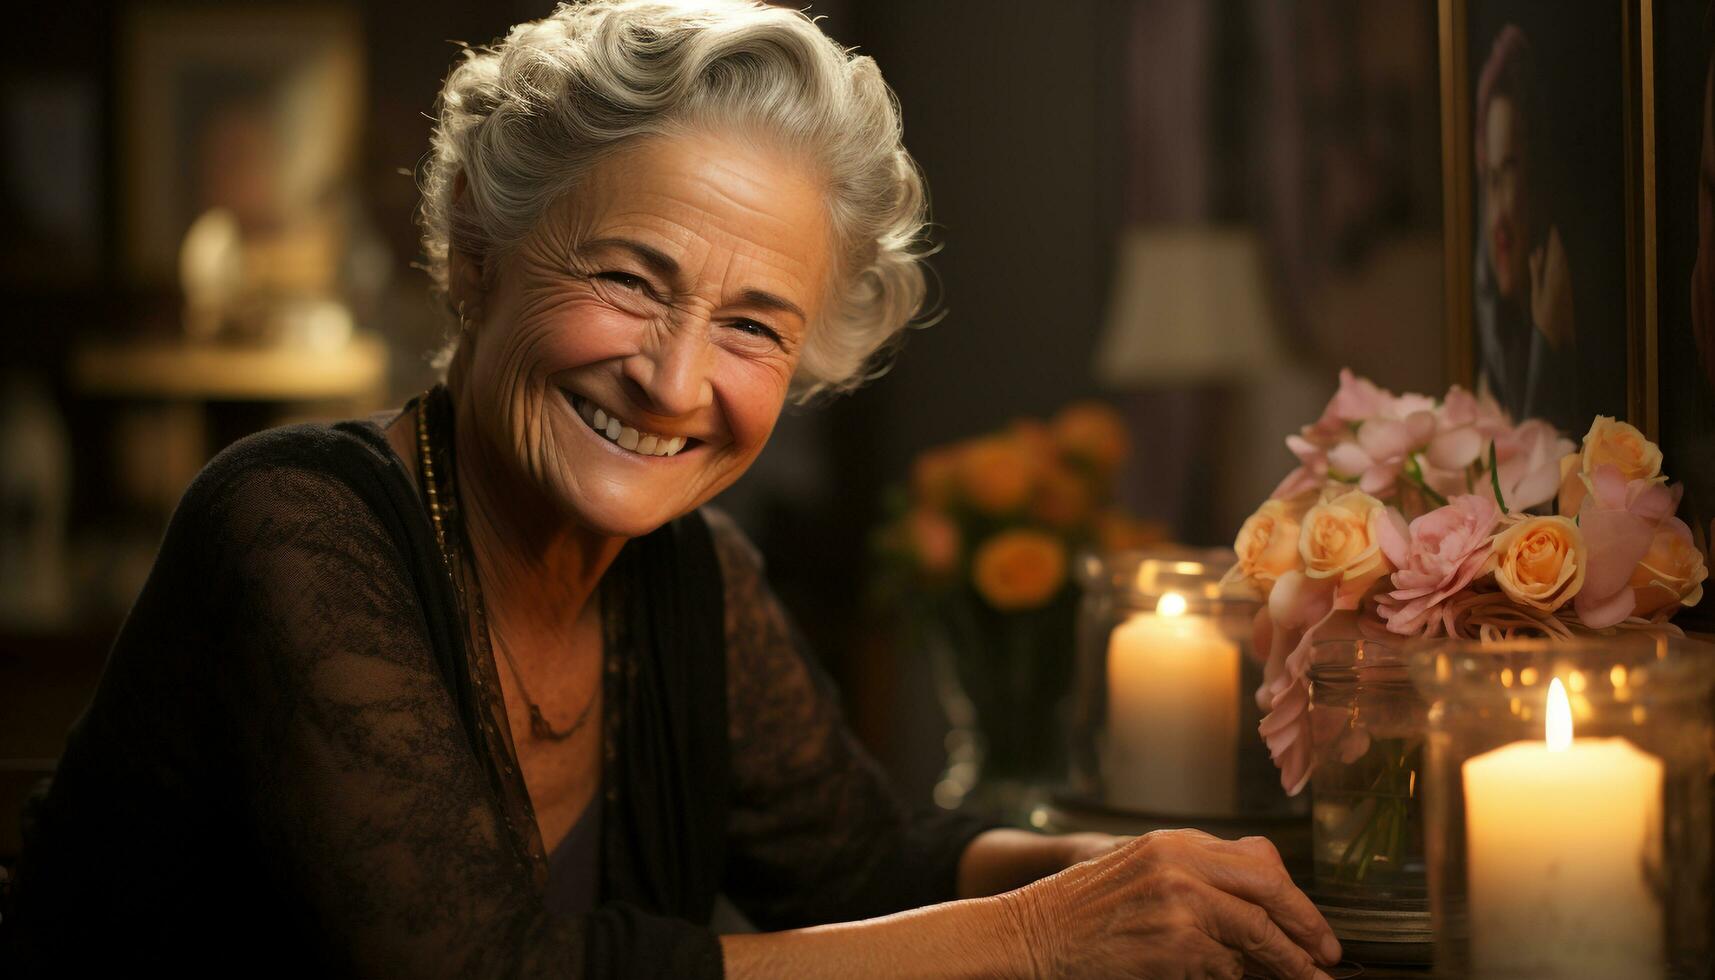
<point>1173,712</point>
<point>1558,725</point>
<point>1561,835</point>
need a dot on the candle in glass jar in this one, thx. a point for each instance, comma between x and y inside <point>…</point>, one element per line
<point>1562,835</point>
<point>1173,696</point>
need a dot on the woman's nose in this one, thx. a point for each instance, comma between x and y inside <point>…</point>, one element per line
<point>671,375</point>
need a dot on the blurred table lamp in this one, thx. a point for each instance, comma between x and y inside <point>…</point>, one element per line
<point>1190,316</point>
<point>1190,305</point>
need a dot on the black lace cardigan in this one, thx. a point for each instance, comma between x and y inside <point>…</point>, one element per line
<point>292,763</point>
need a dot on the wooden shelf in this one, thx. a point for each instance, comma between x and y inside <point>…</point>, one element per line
<point>186,371</point>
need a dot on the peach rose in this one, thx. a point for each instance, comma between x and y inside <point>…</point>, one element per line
<point>996,474</point>
<point>1019,569</point>
<point>933,539</point>
<point>1340,540</point>
<point>1621,446</point>
<point>1267,544</point>
<point>1540,562</point>
<point>1671,573</point>
<point>1093,432</point>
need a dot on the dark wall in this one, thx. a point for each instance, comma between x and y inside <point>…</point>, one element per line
<point>1012,110</point>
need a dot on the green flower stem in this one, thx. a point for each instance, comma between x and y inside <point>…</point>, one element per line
<point>1495,479</point>
<point>1382,838</point>
<point>1414,473</point>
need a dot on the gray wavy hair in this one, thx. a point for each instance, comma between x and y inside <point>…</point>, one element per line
<point>524,120</point>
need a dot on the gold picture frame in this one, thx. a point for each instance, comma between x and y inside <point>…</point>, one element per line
<point>1637,101</point>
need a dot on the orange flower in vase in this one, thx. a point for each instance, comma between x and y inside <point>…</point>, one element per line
<point>1094,433</point>
<point>935,476</point>
<point>996,474</point>
<point>933,540</point>
<point>1019,570</point>
<point>1064,499</point>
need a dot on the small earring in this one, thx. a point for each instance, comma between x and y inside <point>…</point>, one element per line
<point>464,324</point>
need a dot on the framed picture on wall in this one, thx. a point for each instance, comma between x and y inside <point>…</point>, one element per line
<point>1682,58</point>
<point>253,110</point>
<point>1545,218</point>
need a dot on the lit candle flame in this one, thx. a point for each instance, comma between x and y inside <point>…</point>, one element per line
<point>1171,604</point>
<point>1558,725</point>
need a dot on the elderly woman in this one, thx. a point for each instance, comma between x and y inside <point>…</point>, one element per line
<point>481,689</point>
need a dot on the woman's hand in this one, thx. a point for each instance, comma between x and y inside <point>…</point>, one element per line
<point>1175,903</point>
<point>1551,293</point>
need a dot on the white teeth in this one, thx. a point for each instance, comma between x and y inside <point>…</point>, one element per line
<point>641,443</point>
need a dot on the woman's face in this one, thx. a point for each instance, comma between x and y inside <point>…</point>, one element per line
<point>1505,216</point>
<point>667,299</point>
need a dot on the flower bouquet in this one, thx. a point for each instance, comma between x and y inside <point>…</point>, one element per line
<point>1424,517</point>
<point>1409,516</point>
<point>975,552</point>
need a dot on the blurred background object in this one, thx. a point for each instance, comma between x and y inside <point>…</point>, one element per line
<point>208,230</point>
<point>977,556</point>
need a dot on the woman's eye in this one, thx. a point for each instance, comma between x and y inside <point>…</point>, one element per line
<point>625,280</point>
<point>756,329</point>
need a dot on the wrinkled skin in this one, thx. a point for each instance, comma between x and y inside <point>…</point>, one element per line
<point>1175,904</point>
<point>695,350</point>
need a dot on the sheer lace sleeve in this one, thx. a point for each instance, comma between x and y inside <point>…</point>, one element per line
<point>349,761</point>
<point>816,832</point>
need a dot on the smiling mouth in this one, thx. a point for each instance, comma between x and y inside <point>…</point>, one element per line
<point>624,436</point>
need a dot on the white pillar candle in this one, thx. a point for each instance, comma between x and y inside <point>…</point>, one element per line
<point>1561,836</point>
<point>1173,702</point>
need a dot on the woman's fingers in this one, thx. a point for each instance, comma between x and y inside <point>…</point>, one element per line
<point>1250,869</point>
<point>1238,924</point>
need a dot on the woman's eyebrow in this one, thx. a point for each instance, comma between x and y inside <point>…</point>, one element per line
<point>659,262</point>
<point>769,301</point>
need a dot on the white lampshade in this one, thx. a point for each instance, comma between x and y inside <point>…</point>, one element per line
<point>1189,305</point>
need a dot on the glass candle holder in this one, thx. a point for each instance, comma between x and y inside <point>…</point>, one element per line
<point>1164,719</point>
<point>1567,811</point>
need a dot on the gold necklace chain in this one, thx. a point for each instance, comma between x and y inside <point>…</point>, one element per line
<point>539,726</point>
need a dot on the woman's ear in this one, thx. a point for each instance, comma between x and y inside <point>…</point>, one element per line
<point>465,280</point>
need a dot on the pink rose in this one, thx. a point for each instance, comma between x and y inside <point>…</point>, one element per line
<point>1529,462</point>
<point>1312,452</point>
<point>1357,404</point>
<point>1619,518</point>
<point>1297,609</point>
<point>934,539</point>
<point>1464,426</point>
<point>1437,557</point>
<point>1356,400</point>
<point>1377,453</point>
